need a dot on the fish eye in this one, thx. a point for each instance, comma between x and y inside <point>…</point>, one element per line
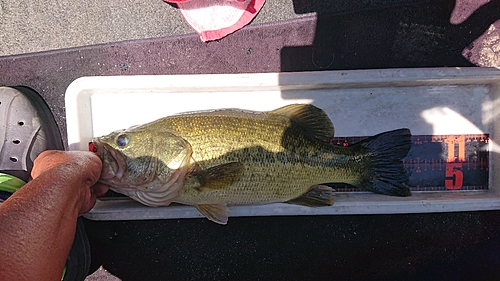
<point>122,140</point>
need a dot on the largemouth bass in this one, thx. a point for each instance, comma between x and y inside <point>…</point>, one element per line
<point>213,159</point>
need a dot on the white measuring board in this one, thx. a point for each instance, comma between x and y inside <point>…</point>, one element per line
<point>436,101</point>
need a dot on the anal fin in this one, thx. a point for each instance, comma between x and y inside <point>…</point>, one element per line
<point>319,195</point>
<point>217,213</point>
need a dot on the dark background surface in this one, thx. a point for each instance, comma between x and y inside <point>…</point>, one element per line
<point>345,35</point>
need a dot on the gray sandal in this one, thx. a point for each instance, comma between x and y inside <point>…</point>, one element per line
<point>27,128</point>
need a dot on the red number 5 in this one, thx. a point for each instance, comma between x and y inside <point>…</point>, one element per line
<point>454,176</point>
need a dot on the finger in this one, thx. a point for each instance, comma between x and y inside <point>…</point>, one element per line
<point>88,206</point>
<point>43,155</point>
<point>46,153</point>
<point>100,189</point>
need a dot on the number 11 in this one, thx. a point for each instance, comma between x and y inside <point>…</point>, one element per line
<point>454,177</point>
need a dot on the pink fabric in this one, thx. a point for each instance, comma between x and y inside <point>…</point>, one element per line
<point>214,19</point>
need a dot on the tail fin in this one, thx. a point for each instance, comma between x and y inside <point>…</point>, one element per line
<point>386,152</point>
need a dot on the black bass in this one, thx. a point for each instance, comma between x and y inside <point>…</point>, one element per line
<point>213,159</point>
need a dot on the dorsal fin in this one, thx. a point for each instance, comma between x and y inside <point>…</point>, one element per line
<point>311,117</point>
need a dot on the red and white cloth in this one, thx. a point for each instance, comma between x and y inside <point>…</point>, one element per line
<point>214,19</point>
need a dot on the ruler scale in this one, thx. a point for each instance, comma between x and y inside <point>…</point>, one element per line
<point>439,162</point>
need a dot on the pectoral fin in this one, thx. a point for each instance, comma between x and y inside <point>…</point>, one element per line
<point>219,177</point>
<point>317,196</point>
<point>215,212</point>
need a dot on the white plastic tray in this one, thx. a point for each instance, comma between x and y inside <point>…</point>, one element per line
<point>360,103</point>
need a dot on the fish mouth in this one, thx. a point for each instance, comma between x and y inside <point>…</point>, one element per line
<point>114,165</point>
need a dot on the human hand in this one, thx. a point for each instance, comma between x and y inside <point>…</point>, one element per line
<point>79,171</point>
